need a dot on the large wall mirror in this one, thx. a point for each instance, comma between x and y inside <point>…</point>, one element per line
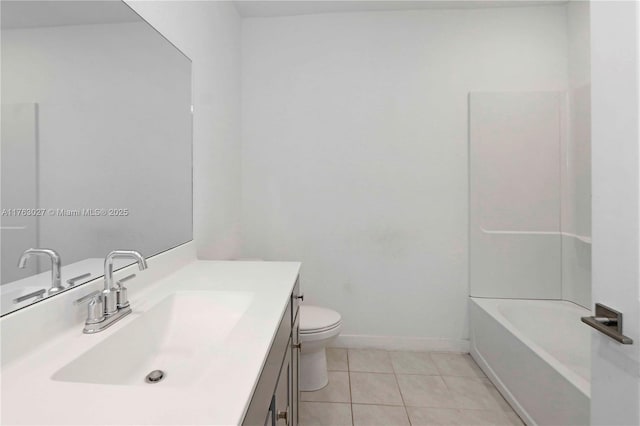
<point>96,142</point>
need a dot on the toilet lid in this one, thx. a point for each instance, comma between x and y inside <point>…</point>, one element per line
<point>315,319</point>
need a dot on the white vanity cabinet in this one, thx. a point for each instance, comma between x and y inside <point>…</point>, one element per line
<point>283,396</point>
<point>275,398</point>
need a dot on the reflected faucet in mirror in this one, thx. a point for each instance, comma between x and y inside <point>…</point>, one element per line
<point>56,285</point>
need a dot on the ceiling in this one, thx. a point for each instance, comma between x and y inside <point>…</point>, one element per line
<point>33,14</point>
<point>46,13</point>
<point>270,8</point>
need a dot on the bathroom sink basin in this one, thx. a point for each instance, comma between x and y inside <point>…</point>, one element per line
<point>180,336</point>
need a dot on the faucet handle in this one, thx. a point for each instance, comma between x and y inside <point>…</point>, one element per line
<point>74,280</point>
<point>37,294</point>
<point>123,300</point>
<point>127,278</point>
<point>87,297</point>
<point>95,308</point>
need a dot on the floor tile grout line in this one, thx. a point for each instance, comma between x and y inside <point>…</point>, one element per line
<point>377,350</point>
<point>396,374</point>
<point>404,404</point>
<point>378,403</point>
<point>422,374</point>
<point>325,402</point>
<point>350,393</point>
<point>435,364</point>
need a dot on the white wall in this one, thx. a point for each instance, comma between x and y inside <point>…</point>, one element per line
<point>209,33</point>
<point>354,152</point>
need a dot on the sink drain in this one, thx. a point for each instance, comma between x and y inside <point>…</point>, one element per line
<point>155,376</point>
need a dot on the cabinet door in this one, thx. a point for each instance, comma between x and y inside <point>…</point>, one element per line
<point>270,420</point>
<point>283,391</point>
<point>296,298</point>
<point>295,371</point>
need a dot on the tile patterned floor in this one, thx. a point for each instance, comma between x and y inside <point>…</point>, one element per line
<point>374,387</point>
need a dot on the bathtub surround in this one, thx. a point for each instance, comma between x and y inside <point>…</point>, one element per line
<point>514,203</point>
<point>530,184</point>
<point>354,154</point>
<point>530,238</point>
<point>576,199</point>
<point>576,162</point>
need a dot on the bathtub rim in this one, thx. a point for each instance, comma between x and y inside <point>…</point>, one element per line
<point>489,306</point>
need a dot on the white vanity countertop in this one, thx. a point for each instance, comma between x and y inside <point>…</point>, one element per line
<point>219,397</point>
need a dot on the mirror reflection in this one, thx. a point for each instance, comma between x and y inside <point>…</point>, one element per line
<point>96,144</point>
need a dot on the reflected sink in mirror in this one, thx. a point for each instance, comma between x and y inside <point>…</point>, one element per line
<point>179,336</point>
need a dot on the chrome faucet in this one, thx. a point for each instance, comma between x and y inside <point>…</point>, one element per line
<point>111,291</point>
<point>56,285</point>
<point>110,304</point>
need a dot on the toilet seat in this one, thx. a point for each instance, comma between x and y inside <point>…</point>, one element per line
<point>315,320</point>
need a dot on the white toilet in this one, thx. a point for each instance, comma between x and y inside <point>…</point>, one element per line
<point>318,327</point>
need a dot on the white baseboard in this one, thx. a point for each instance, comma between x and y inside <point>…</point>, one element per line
<point>399,343</point>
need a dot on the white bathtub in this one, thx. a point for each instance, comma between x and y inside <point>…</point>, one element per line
<point>537,353</point>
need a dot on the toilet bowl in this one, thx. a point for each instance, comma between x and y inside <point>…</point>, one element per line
<point>318,328</point>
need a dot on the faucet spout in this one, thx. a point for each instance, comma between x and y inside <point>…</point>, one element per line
<point>120,254</point>
<point>110,289</point>
<point>55,265</point>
